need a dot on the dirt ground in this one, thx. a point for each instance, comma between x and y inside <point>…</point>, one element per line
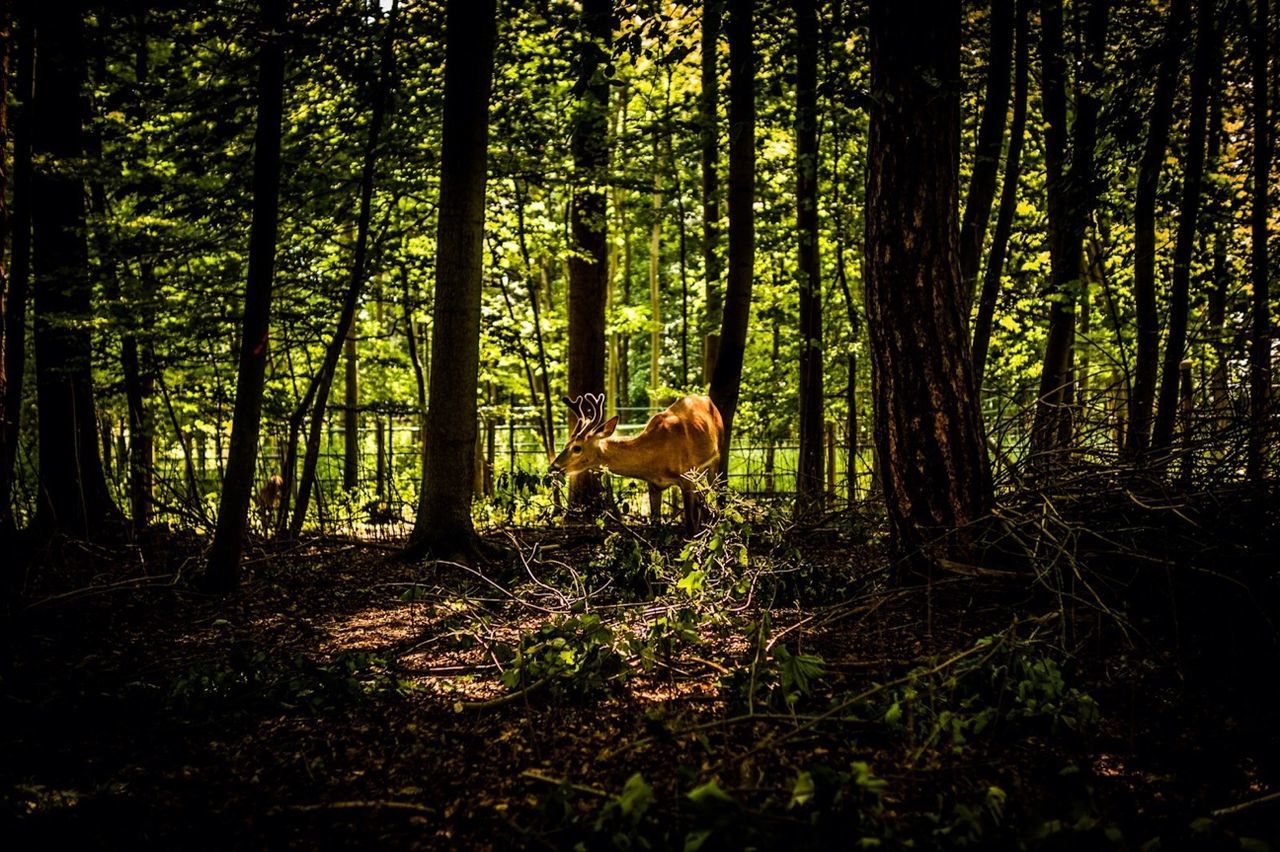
<point>345,698</point>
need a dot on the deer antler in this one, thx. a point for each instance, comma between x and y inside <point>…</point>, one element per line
<point>589,410</point>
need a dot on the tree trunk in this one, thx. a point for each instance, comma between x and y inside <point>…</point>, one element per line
<point>809,473</point>
<point>223,570</point>
<point>1216,301</point>
<point>1142,399</point>
<point>928,427</point>
<point>655,283</point>
<point>351,412</point>
<point>589,266</point>
<point>1184,242</point>
<point>726,379</point>
<point>709,135</point>
<point>19,271</point>
<point>318,391</point>
<point>1071,194</point>
<point>444,527</point>
<point>986,154</point>
<point>1008,198</point>
<point>73,488</point>
<point>1260,343</point>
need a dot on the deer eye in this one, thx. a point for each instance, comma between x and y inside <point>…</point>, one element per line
<point>577,449</point>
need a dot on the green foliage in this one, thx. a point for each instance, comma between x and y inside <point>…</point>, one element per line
<point>574,655</point>
<point>248,678</point>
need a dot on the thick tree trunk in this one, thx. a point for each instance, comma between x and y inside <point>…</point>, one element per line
<point>444,527</point>
<point>1260,342</point>
<point>1142,398</point>
<point>1071,195</point>
<point>73,488</point>
<point>726,379</point>
<point>709,135</point>
<point>589,267</point>
<point>223,570</point>
<point>1008,197</point>
<point>19,270</point>
<point>928,426</point>
<point>1192,174</point>
<point>986,153</point>
<point>809,473</point>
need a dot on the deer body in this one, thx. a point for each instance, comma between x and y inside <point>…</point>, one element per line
<point>685,438</point>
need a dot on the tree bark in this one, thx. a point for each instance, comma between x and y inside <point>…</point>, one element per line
<point>726,379</point>
<point>19,271</point>
<point>222,573</point>
<point>589,266</point>
<point>986,153</point>
<point>444,527</point>
<point>1184,242</point>
<point>928,426</point>
<point>1260,339</point>
<point>73,489</point>
<point>809,472</point>
<point>1071,195</point>
<point>1142,398</point>
<point>1008,197</point>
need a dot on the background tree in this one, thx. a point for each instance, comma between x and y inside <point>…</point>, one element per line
<point>223,569</point>
<point>1260,339</point>
<point>809,476</point>
<point>589,265</point>
<point>1071,189</point>
<point>726,380</point>
<point>928,428</point>
<point>73,487</point>
<point>444,526</point>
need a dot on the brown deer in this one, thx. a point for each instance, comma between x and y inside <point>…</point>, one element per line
<point>268,500</point>
<point>675,447</point>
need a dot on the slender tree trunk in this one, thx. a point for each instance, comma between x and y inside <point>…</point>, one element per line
<point>589,267</point>
<point>655,282</point>
<point>809,473</point>
<point>1216,301</point>
<point>19,270</point>
<point>1260,343</point>
<point>709,136</point>
<point>1008,197</point>
<point>928,426</point>
<point>1184,243</point>
<point>548,420</point>
<point>415,359</point>
<point>1142,398</point>
<point>6,45</point>
<point>726,380</point>
<point>73,489</point>
<point>318,392</point>
<point>1071,194</point>
<point>444,527</point>
<point>351,412</point>
<point>223,570</point>
<point>986,154</point>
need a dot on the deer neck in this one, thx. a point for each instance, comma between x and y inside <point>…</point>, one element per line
<point>626,457</point>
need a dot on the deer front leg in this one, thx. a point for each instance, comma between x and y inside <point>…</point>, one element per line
<point>692,507</point>
<point>655,503</point>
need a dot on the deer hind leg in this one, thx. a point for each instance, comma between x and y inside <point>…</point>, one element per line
<point>655,503</point>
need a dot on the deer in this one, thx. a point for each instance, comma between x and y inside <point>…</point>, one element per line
<point>676,446</point>
<point>268,499</point>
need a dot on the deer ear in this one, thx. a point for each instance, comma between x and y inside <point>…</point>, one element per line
<point>607,429</point>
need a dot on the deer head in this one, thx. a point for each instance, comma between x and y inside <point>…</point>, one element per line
<point>589,429</point>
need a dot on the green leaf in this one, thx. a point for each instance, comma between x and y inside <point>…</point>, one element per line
<point>802,790</point>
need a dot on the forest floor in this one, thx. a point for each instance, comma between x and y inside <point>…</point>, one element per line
<point>578,695</point>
